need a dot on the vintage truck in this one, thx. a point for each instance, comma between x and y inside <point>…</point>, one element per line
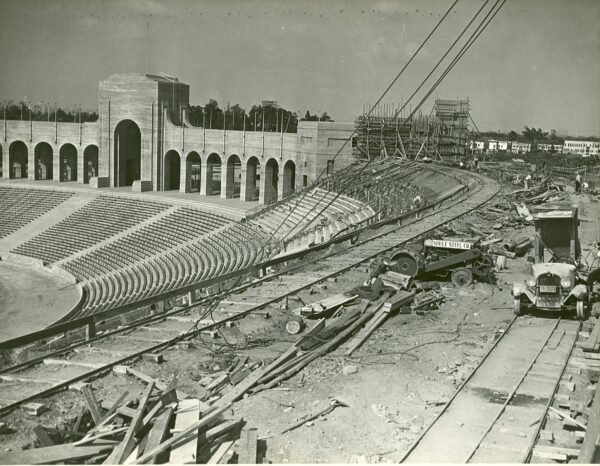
<point>553,286</point>
<point>556,283</point>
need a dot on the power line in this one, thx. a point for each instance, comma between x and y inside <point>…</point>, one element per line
<point>459,55</point>
<point>349,138</point>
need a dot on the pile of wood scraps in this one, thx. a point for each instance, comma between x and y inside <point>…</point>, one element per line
<point>156,427</point>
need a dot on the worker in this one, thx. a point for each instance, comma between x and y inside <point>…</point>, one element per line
<point>476,164</point>
<point>578,183</point>
<point>585,186</point>
<point>527,180</point>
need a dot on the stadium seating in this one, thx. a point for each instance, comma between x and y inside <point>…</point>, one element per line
<point>102,218</point>
<point>20,206</point>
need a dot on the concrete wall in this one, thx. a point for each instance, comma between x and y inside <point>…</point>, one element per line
<point>158,106</point>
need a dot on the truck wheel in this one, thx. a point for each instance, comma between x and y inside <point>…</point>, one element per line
<point>581,310</point>
<point>517,308</point>
<point>462,277</point>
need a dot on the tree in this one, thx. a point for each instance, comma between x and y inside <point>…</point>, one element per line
<point>512,135</point>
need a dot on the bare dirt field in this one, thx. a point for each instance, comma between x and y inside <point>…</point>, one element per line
<point>31,299</point>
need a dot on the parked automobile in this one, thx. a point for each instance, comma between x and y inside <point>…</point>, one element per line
<point>552,287</point>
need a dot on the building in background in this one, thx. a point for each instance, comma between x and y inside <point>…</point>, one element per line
<point>583,148</point>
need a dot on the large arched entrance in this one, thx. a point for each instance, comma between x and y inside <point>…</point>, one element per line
<point>193,171</point>
<point>271,181</point>
<point>213,175</point>
<point>17,160</point>
<point>43,159</point>
<point>68,162</point>
<point>233,176</point>
<point>252,188</point>
<point>128,153</point>
<point>90,163</point>
<point>172,169</point>
<point>289,178</point>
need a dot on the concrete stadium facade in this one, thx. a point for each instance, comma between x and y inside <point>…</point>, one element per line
<point>143,139</point>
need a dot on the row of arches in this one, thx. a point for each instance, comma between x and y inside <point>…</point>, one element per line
<point>237,179</point>
<point>44,166</point>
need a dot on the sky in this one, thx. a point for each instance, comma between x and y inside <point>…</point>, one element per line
<point>537,64</point>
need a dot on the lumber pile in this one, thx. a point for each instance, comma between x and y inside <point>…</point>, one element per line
<point>592,344</point>
<point>154,428</point>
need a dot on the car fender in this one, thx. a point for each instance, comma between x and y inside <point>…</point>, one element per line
<point>578,293</point>
<point>519,290</point>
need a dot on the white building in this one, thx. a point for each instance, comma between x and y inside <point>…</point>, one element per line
<point>520,147</point>
<point>554,148</point>
<point>503,145</point>
<point>478,146</point>
<point>583,148</point>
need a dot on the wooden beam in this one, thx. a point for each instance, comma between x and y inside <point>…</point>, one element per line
<point>248,446</point>
<point>54,454</point>
<point>590,449</point>
<point>147,456</point>
<point>115,405</point>
<point>188,413</point>
<point>42,436</point>
<point>158,433</point>
<point>123,450</point>
<point>93,405</point>
<point>220,452</point>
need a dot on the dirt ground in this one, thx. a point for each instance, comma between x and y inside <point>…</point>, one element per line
<point>31,299</point>
<point>393,386</point>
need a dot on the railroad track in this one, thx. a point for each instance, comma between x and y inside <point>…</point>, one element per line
<point>57,371</point>
<point>495,414</point>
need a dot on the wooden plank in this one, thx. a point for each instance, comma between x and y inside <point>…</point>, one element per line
<point>188,413</point>
<point>220,452</point>
<point>570,452</point>
<point>101,435</point>
<point>158,433</point>
<point>54,454</point>
<point>378,317</point>
<point>590,450</point>
<point>181,435</point>
<point>248,446</point>
<point>93,405</point>
<point>162,386</point>
<point>548,455</point>
<point>246,384</point>
<point>594,338</point>
<point>115,405</point>
<point>568,418</point>
<point>123,450</point>
<point>42,436</point>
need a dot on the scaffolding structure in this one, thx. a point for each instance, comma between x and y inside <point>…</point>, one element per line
<point>441,135</point>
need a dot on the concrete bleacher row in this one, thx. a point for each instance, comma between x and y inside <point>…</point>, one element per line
<point>171,230</point>
<point>287,220</point>
<point>20,206</point>
<point>98,220</point>
<point>227,250</point>
<point>128,270</point>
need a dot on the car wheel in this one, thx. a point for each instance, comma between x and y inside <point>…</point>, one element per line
<point>517,307</point>
<point>581,310</point>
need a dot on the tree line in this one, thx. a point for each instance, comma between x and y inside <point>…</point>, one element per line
<point>45,112</point>
<point>267,117</point>
<point>531,135</point>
